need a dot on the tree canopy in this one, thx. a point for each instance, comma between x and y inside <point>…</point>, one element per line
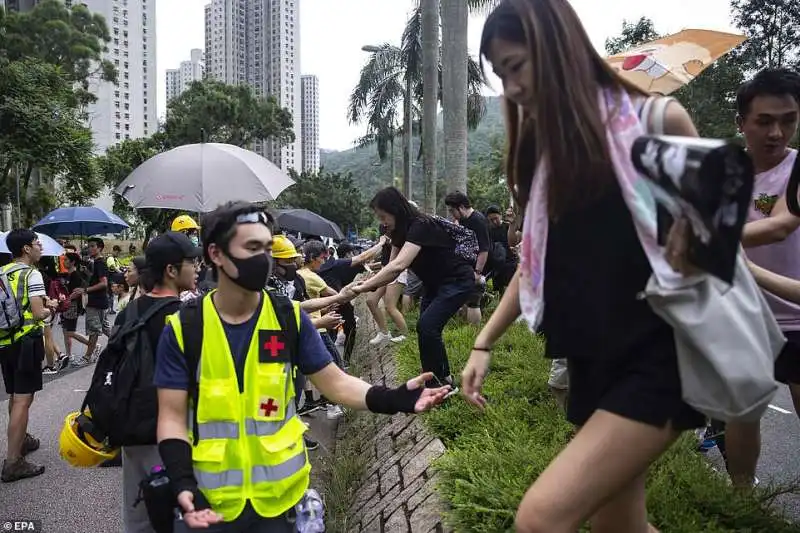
<point>230,114</point>
<point>48,57</point>
<point>332,195</point>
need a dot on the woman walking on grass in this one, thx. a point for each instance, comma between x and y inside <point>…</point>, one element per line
<point>422,244</point>
<point>583,265</point>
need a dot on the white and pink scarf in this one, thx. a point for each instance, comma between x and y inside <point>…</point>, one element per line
<point>623,127</point>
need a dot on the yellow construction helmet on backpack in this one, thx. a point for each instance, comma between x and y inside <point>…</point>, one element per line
<point>76,444</point>
<point>184,223</point>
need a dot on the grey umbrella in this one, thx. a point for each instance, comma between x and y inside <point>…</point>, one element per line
<point>200,177</point>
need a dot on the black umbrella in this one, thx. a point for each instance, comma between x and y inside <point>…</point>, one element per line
<point>306,221</point>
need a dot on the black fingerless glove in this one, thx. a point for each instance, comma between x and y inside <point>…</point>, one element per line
<point>392,401</point>
<point>177,457</point>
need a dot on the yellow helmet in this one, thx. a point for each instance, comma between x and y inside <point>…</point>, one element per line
<point>184,223</point>
<point>282,248</point>
<point>77,447</point>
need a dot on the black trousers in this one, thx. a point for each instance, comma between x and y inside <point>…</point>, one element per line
<point>348,313</point>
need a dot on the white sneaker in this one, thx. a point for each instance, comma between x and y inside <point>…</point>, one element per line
<point>398,339</point>
<point>334,412</point>
<point>341,338</point>
<point>380,338</point>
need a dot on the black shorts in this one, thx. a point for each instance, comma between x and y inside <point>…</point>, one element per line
<point>787,365</point>
<point>642,385</point>
<point>69,324</point>
<point>21,364</point>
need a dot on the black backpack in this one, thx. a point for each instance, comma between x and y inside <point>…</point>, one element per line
<point>466,243</point>
<point>122,398</point>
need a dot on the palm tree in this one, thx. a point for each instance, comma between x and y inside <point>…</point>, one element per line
<point>455,20</point>
<point>430,90</point>
<point>386,80</point>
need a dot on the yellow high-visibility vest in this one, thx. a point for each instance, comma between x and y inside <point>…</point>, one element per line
<point>250,445</point>
<point>18,279</point>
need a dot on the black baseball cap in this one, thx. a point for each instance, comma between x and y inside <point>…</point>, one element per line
<point>170,248</point>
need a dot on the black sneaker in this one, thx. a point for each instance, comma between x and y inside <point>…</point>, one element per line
<point>20,469</point>
<point>62,362</point>
<point>311,444</point>
<point>30,444</point>
<point>49,370</point>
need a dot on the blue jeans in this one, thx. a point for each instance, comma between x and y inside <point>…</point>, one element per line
<point>437,307</point>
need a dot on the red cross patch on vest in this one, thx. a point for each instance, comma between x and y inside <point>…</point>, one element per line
<point>272,347</point>
<point>267,407</point>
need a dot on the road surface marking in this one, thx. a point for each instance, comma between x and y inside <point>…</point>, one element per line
<point>84,390</point>
<point>779,409</point>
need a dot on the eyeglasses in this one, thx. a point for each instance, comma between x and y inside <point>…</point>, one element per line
<point>256,217</point>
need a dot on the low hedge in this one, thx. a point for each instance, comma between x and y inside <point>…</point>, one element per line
<point>493,457</point>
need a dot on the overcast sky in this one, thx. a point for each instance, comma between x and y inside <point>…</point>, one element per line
<point>333,32</point>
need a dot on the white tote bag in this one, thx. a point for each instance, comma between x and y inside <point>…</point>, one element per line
<point>727,340</point>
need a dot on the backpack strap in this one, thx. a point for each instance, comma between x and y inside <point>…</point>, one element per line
<point>191,317</point>
<point>284,311</point>
<point>653,113</point>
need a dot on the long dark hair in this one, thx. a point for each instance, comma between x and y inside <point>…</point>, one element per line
<point>568,128</point>
<point>392,201</point>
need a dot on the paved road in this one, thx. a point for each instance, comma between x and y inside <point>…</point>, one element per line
<point>780,444</point>
<point>74,500</point>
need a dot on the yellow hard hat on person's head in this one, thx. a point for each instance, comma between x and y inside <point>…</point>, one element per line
<point>282,248</point>
<point>184,223</point>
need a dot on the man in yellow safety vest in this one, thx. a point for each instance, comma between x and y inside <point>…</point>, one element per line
<point>22,349</point>
<point>228,432</point>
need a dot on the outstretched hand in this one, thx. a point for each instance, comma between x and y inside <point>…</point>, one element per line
<point>429,398</point>
<point>193,518</point>
<point>473,376</point>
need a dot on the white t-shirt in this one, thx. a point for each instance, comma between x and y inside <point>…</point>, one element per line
<point>36,284</point>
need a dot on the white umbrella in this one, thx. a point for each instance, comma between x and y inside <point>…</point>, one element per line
<point>200,177</point>
<point>50,246</point>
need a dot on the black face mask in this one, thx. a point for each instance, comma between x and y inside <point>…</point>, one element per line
<point>253,271</point>
<point>289,272</point>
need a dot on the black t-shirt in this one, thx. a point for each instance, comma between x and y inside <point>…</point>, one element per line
<point>436,263</point>
<point>156,324</point>
<point>499,234</point>
<point>339,272</point>
<point>595,268</point>
<point>74,281</point>
<point>480,226</point>
<point>99,298</point>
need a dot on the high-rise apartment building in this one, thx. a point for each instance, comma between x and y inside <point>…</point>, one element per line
<point>19,5</point>
<point>309,123</point>
<point>126,110</point>
<point>258,42</point>
<point>179,79</point>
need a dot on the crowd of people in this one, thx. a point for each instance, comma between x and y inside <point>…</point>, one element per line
<point>249,329</point>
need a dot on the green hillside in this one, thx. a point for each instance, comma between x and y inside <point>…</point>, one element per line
<point>370,174</point>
